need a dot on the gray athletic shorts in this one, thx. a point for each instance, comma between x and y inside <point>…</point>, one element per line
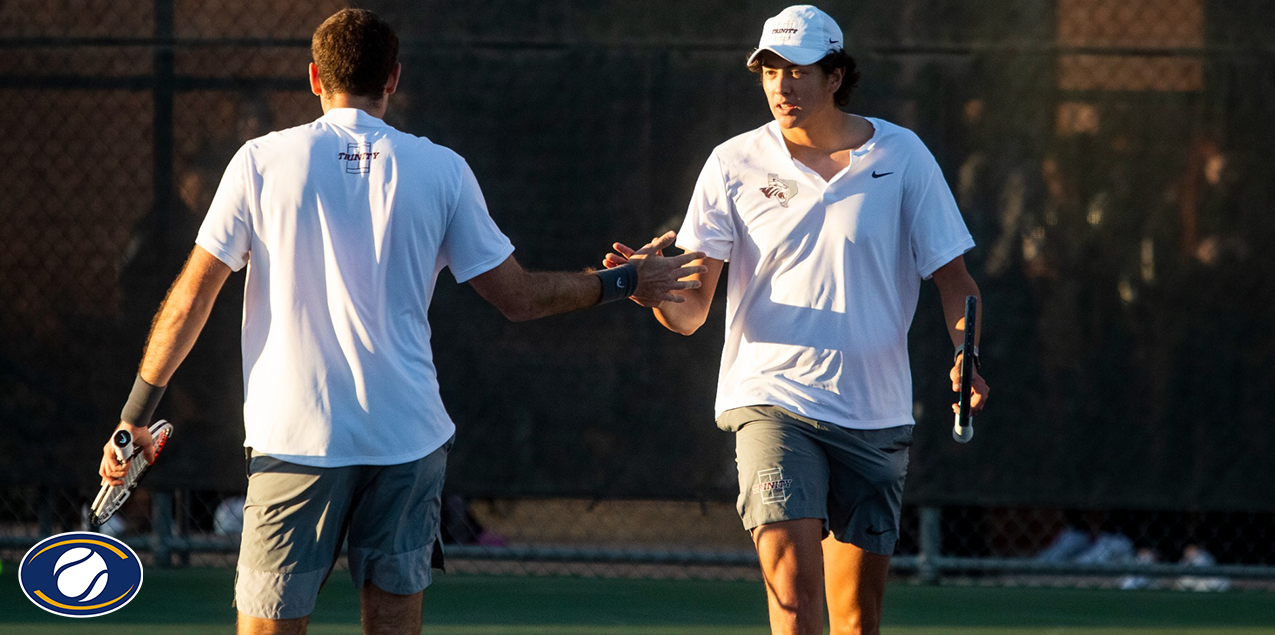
<point>296,518</point>
<point>793,467</point>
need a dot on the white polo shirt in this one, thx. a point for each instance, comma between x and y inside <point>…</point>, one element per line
<point>344,225</point>
<point>824,276</point>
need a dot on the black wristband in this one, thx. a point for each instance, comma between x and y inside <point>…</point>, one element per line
<point>977,362</point>
<point>141,402</point>
<point>618,283</point>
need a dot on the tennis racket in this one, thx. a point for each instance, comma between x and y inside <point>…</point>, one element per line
<point>963,430</point>
<point>111,497</point>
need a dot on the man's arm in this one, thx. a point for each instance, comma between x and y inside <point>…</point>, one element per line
<point>955,284</point>
<point>687,314</point>
<point>685,317</point>
<point>182,316</point>
<point>525,295</point>
<point>176,327</point>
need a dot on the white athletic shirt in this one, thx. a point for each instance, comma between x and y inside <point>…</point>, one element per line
<point>344,224</point>
<point>824,277</point>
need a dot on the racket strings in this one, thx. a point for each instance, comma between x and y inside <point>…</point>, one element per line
<point>138,463</point>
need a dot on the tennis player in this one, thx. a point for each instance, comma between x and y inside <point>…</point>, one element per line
<point>830,222</point>
<point>344,225</point>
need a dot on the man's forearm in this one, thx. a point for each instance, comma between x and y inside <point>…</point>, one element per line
<point>955,284</point>
<point>553,292</point>
<point>683,318</point>
<point>524,295</point>
<point>953,298</point>
<point>181,317</point>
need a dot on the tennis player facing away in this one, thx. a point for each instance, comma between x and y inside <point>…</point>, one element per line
<point>830,222</point>
<point>344,225</point>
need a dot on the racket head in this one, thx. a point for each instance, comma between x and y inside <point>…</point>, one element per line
<point>963,430</point>
<point>111,497</point>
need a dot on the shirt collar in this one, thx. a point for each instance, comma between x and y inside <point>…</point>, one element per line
<point>855,154</point>
<point>352,118</point>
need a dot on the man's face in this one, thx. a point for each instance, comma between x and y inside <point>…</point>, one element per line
<point>795,92</point>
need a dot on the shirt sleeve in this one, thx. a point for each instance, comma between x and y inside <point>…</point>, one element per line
<point>938,233</point>
<point>709,226</point>
<point>227,229</point>
<point>473,244</point>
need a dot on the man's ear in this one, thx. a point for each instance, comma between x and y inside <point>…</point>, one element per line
<point>835,78</point>
<point>391,84</point>
<point>316,86</point>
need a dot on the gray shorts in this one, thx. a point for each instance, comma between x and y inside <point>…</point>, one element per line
<point>793,467</point>
<point>296,518</point>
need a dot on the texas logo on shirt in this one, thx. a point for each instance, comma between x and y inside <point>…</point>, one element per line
<point>780,189</point>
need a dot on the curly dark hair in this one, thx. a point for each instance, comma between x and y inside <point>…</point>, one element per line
<point>830,62</point>
<point>355,51</point>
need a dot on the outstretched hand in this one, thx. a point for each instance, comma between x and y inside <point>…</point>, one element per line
<point>658,276</point>
<point>112,470</point>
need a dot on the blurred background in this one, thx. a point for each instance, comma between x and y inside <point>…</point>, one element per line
<point>1111,158</point>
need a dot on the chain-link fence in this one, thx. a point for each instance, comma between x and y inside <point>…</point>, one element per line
<point>1108,156</point>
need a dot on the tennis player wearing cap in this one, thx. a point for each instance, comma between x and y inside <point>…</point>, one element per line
<point>830,222</point>
<point>344,224</point>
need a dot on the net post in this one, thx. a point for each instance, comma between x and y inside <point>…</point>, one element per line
<point>931,544</point>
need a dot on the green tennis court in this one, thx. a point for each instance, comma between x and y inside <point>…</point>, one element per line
<point>197,601</point>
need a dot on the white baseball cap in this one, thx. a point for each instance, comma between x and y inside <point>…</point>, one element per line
<point>801,34</point>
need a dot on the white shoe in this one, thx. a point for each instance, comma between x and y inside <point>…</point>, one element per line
<point>1195,556</point>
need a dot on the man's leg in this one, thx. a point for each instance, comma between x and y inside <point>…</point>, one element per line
<point>855,582</point>
<point>864,504</point>
<point>294,519</point>
<point>395,541</point>
<point>792,565</point>
<point>249,625</point>
<point>385,613</point>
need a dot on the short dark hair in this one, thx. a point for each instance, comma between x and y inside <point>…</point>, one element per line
<point>831,62</point>
<point>355,51</point>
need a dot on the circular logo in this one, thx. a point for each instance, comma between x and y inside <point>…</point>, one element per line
<point>80,574</point>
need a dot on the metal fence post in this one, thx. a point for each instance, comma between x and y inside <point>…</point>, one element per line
<point>162,117</point>
<point>44,510</point>
<point>182,527</point>
<point>162,528</point>
<point>931,545</point>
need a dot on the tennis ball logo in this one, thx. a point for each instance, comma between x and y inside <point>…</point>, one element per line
<point>81,574</point>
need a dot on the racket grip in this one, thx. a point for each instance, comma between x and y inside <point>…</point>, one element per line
<point>123,441</point>
<point>963,433</point>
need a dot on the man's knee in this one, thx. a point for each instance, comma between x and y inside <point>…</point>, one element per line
<point>252,625</point>
<point>792,565</point>
<point>856,622</point>
<point>386,613</point>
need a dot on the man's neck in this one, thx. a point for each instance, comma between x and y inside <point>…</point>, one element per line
<point>829,131</point>
<point>374,107</point>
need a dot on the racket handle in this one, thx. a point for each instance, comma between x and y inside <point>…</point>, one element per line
<point>963,433</point>
<point>123,441</point>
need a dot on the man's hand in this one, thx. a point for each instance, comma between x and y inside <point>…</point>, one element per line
<point>978,388</point>
<point>654,285</point>
<point>111,470</point>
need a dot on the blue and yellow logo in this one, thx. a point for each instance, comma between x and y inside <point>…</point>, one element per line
<point>80,574</point>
